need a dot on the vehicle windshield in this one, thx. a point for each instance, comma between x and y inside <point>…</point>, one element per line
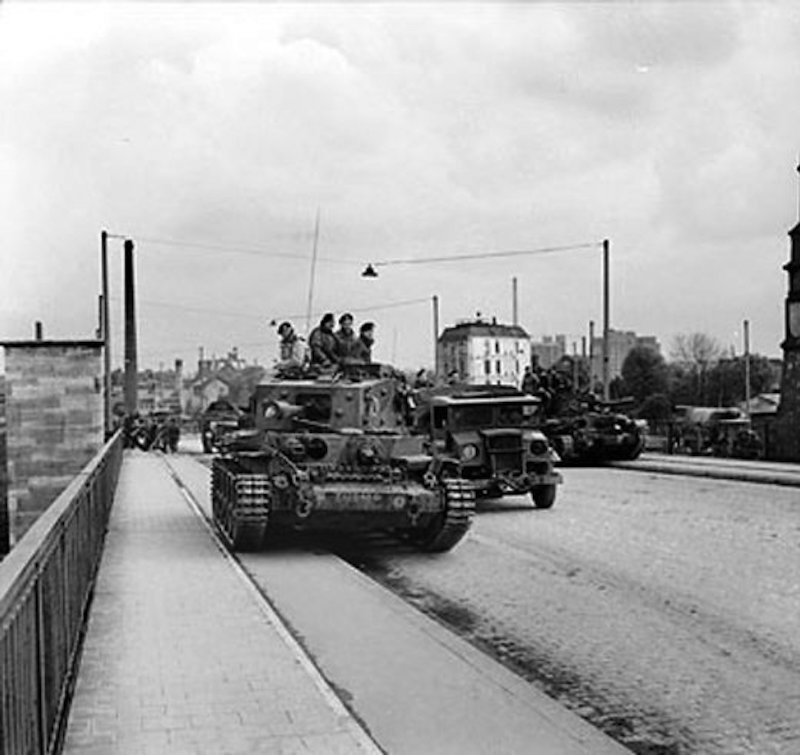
<point>471,416</point>
<point>492,415</point>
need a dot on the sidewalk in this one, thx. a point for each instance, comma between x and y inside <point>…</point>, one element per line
<point>420,688</point>
<point>181,654</point>
<point>740,470</point>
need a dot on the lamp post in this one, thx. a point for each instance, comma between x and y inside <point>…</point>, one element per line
<point>131,368</point>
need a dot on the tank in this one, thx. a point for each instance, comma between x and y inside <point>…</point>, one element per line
<point>493,433</point>
<point>219,419</point>
<point>595,435</point>
<point>336,453</point>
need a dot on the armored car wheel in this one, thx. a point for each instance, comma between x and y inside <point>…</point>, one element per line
<point>449,527</point>
<point>544,496</point>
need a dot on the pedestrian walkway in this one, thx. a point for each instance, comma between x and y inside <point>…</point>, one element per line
<point>181,654</point>
<point>739,470</point>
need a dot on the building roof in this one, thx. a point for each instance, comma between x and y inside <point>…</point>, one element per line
<point>88,342</point>
<point>479,328</point>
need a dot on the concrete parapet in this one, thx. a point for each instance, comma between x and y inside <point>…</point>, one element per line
<point>54,417</point>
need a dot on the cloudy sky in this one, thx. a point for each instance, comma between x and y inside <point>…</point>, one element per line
<point>214,136</point>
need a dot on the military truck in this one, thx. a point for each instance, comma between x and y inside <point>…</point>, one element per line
<point>336,453</point>
<point>492,431</point>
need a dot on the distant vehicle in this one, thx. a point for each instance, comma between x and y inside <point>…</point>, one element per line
<point>220,418</point>
<point>492,432</point>
<point>591,437</point>
<point>717,431</point>
<point>337,454</point>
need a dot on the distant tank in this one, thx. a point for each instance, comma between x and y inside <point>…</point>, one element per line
<point>220,418</point>
<point>588,431</point>
<point>336,453</point>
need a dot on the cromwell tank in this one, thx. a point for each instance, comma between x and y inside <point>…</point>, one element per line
<point>592,436</point>
<point>336,453</point>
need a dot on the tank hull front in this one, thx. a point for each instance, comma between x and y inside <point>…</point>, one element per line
<point>247,504</point>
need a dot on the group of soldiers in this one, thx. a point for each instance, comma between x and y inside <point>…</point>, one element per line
<point>157,431</point>
<point>556,391</point>
<point>328,350</point>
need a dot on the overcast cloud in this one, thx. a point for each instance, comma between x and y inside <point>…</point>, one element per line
<point>672,129</point>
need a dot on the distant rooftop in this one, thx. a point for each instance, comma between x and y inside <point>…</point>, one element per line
<point>480,327</point>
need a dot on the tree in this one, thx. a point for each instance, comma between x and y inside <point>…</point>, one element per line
<point>695,349</point>
<point>695,353</point>
<point>726,379</point>
<point>644,373</point>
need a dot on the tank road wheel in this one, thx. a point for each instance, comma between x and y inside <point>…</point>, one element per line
<point>454,522</point>
<point>544,496</point>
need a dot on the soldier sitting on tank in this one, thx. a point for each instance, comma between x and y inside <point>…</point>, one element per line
<point>322,343</point>
<point>362,349</point>
<point>346,339</point>
<point>292,350</point>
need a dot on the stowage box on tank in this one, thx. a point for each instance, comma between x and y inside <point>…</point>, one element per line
<point>336,453</point>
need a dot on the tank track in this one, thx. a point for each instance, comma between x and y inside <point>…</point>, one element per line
<point>237,505</point>
<point>459,509</point>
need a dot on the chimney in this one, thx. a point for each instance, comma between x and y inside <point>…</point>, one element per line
<point>37,330</point>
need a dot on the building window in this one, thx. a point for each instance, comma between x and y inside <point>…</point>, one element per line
<point>498,367</point>
<point>497,347</point>
<point>487,366</point>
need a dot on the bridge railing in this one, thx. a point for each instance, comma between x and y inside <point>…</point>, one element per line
<point>45,587</point>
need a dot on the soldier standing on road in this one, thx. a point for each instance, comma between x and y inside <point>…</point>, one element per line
<point>322,342</point>
<point>345,339</point>
<point>362,350</point>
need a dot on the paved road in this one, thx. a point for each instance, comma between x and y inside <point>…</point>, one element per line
<point>417,688</point>
<point>663,609</point>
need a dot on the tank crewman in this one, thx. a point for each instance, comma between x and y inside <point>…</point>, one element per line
<point>362,350</point>
<point>292,349</point>
<point>345,339</point>
<point>530,382</point>
<point>322,342</point>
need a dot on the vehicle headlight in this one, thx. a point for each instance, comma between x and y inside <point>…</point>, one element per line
<point>538,447</point>
<point>469,452</point>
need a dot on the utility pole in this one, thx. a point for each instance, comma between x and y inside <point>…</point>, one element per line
<point>131,370</point>
<point>747,365</point>
<point>574,366</point>
<point>105,334</point>
<point>606,326</point>
<point>514,307</point>
<point>591,355</point>
<point>435,338</point>
<point>313,273</point>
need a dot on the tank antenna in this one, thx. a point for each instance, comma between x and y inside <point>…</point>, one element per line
<point>313,271</point>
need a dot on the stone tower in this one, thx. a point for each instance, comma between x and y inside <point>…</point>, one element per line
<point>787,425</point>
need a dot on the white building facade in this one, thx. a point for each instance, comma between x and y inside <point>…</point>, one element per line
<point>484,353</point>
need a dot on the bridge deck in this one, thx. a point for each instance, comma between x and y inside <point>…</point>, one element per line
<point>181,655</point>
